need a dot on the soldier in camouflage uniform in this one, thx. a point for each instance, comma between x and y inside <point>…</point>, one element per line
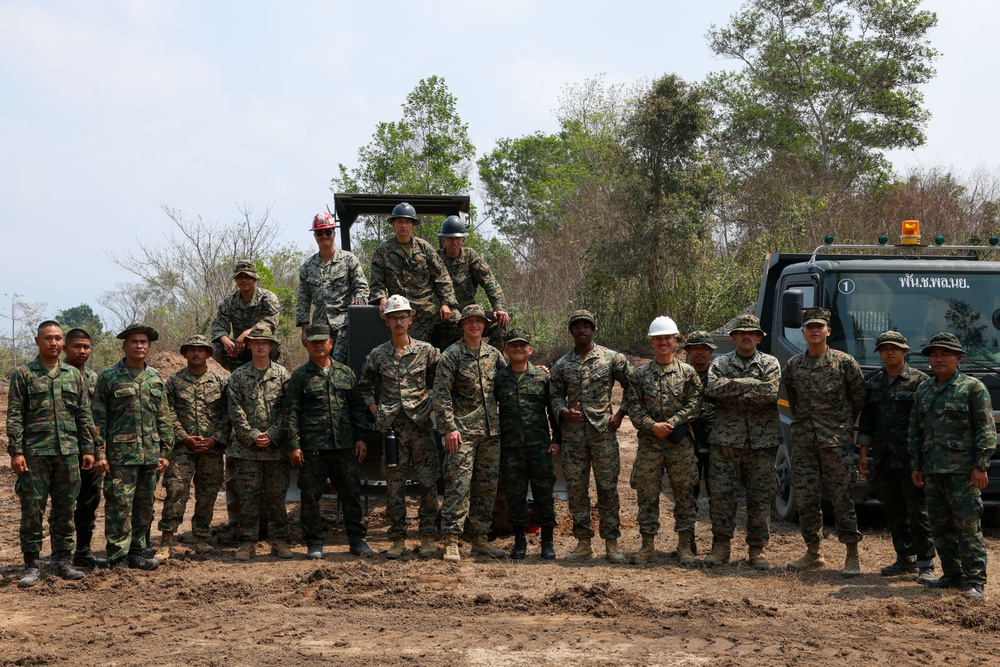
<point>744,385</point>
<point>403,369</point>
<point>77,351</point>
<point>256,400</point>
<point>329,282</point>
<point>529,438</point>
<point>663,398</point>
<point>409,266</point>
<point>326,423</point>
<point>699,348</point>
<point>49,427</point>
<point>883,431</point>
<point>197,397</point>
<point>952,437</point>
<point>826,392</point>
<point>581,385</point>
<point>466,409</point>
<point>246,309</point>
<point>468,272</point>
<point>135,424</point>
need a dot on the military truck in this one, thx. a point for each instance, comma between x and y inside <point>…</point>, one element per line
<point>911,287</point>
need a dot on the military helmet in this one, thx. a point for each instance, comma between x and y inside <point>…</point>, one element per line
<point>404,210</point>
<point>700,337</point>
<point>948,341</point>
<point>663,326</point>
<point>453,227</point>
<point>891,338</point>
<point>395,304</point>
<point>323,221</point>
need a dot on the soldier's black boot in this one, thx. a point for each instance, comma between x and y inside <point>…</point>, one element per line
<point>86,558</point>
<point>548,550</point>
<point>520,544</point>
<point>137,561</point>
<point>32,571</point>
<point>63,567</point>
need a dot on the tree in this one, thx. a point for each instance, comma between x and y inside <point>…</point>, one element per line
<point>83,317</point>
<point>23,317</point>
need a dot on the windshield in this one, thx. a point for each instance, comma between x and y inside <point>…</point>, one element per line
<point>918,305</point>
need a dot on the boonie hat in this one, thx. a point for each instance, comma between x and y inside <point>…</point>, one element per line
<point>810,315</point>
<point>318,331</point>
<point>139,328</point>
<point>891,338</point>
<point>747,323</point>
<point>473,310</point>
<point>699,337</point>
<point>518,335</point>
<point>948,341</point>
<point>245,266</point>
<point>195,341</point>
<point>395,304</point>
<point>260,333</point>
<point>585,315</point>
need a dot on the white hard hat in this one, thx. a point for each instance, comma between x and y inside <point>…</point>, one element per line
<point>663,326</point>
<point>396,303</point>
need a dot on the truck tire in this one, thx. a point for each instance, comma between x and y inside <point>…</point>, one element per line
<point>784,499</point>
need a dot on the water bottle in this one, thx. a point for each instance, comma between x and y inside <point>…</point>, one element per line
<point>391,449</point>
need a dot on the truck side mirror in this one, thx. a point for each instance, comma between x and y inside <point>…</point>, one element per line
<point>996,319</point>
<point>791,309</point>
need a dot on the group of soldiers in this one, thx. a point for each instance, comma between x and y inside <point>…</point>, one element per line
<point>500,417</point>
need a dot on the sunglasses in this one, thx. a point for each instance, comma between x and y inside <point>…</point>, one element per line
<point>323,232</point>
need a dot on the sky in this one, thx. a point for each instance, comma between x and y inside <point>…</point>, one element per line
<point>110,110</point>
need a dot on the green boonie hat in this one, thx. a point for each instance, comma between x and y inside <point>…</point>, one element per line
<point>318,332</point>
<point>195,341</point>
<point>699,337</point>
<point>891,338</point>
<point>747,323</point>
<point>260,333</point>
<point>515,335</point>
<point>139,328</point>
<point>473,310</point>
<point>948,341</point>
<point>582,315</point>
<point>245,266</point>
<point>810,315</point>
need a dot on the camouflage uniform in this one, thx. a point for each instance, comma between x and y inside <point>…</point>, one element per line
<point>589,381</point>
<point>326,289</point>
<point>49,423</point>
<point>526,421</point>
<point>256,401</point>
<point>236,316</point>
<point>404,405</point>
<point>325,419</point>
<point>91,482</point>
<point>825,393</point>
<point>468,272</point>
<point>464,401</point>
<point>670,394</point>
<point>883,427</point>
<point>134,420</point>
<point>701,431</point>
<point>746,419</point>
<point>951,432</point>
<point>199,406</point>
<point>419,275</point>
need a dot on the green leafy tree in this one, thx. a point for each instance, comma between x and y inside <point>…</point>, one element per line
<point>83,317</point>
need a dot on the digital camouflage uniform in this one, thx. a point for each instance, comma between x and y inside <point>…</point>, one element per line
<point>590,443</point>
<point>49,423</point>
<point>468,273</point>
<point>326,289</point>
<point>527,428</point>
<point>199,406</point>
<point>883,428</point>
<point>133,418</point>
<point>745,392</point>
<point>825,393</point>
<point>671,394</point>
<point>236,316</point>
<point>256,403</point>
<point>951,432</point>
<point>91,483</point>
<point>325,419</point>
<point>404,383</point>
<point>419,275</point>
<point>464,401</point>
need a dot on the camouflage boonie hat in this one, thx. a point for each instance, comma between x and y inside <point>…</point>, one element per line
<point>582,315</point>
<point>699,337</point>
<point>318,332</point>
<point>747,323</point>
<point>948,341</point>
<point>810,315</point>
<point>260,333</point>
<point>516,335</point>
<point>891,338</point>
<point>473,310</point>
<point>247,267</point>
<point>139,328</point>
<point>196,341</point>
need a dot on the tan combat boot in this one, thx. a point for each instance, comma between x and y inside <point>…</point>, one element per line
<point>684,552</point>
<point>583,550</point>
<point>851,566</point>
<point>166,549</point>
<point>757,559</point>
<point>428,548</point>
<point>202,547</point>
<point>812,559</point>
<point>451,553</point>
<point>612,552</point>
<point>246,551</point>
<point>647,551</point>
<point>279,549</point>
<point>482,547</point>
<point>397,549</point>
<point>720,553</point>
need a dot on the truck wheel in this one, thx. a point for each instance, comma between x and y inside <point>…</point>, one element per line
<point>784,501</point>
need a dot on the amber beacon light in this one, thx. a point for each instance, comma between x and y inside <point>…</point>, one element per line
<point>910,233</point>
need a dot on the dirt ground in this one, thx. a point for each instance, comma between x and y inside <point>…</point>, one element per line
<point>213,611</point>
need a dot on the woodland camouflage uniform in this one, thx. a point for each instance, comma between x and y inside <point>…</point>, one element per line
<point>91,483</point>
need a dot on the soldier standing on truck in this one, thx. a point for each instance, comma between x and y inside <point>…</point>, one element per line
<point>409,266</point>
<point>468,271</point>
<point>329,282</point>
<point>745,438</point>
<point>952,438</point>
<point>826,392</point>
<point>246,309</point>
<point>883,431</point>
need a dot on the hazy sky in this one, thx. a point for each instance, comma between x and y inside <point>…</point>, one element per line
<point>110,109</point>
